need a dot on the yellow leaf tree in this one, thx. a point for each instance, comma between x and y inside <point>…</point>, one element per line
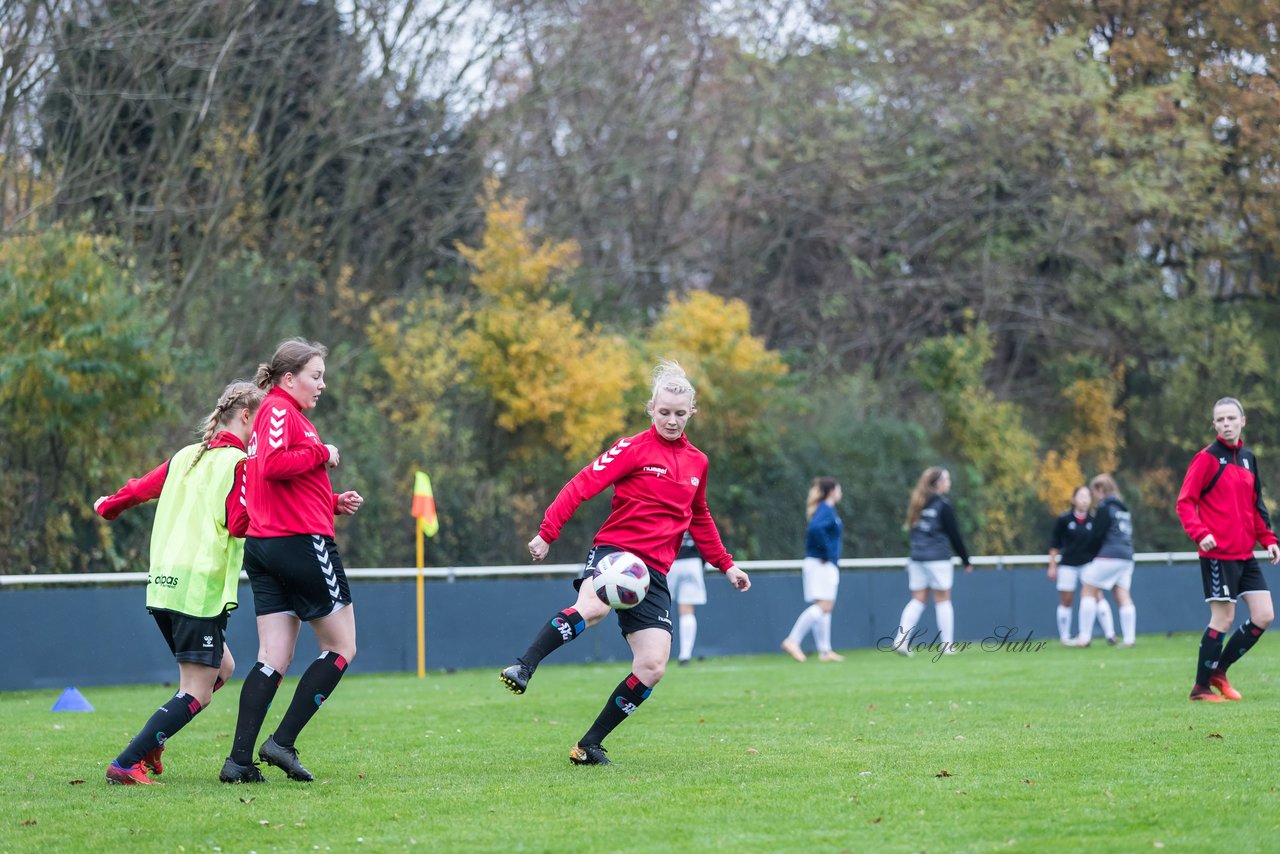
<point>557,381</point>
<point>415,344</point>
<point>733,371</point>
<point>987,433</point>
<point>1092,445</point>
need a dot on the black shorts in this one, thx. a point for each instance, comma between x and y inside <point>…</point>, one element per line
<point>194,640</point>
<point>300,575</point>
<point>1224,580</point>
<point>653,612</point>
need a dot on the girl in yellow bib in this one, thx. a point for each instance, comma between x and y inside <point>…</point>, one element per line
<point>197,547</point>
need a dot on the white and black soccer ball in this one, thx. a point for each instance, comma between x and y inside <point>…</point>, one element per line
<point>621,580</point>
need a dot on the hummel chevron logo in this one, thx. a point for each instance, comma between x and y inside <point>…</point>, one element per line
<point>275,433</point>
<point>610,455</point>
<point>330,577</point>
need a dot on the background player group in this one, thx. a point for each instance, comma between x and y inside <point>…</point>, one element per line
<point>1094,549</point>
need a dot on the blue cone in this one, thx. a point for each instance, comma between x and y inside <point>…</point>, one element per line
<point>72,701</point>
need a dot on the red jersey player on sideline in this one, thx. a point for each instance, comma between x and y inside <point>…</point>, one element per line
<point>1221,509</point>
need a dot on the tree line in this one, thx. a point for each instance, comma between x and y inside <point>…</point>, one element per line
<point>1030,240</point>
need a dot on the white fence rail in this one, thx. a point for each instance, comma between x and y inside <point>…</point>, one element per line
<point>450,573</point>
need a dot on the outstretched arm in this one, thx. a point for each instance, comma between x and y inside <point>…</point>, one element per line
<point>138,490</point>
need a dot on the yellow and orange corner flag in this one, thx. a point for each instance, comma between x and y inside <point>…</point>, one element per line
<point>424,511</point>
<point>424,505</point>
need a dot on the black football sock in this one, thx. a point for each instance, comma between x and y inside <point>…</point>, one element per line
<point>256,694</point>
<point>1210,652</point>
<point>1240,642</point>
<point>314,688</point>
<point>555,633</point>
<point>631,692</point>
<point>176,713</point>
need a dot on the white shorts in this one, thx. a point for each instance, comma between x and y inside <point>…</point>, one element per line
<point>931,574</point>
<point>1105,573</point>
<point>1068,578</point>
<point>685,579</point>
<point>821,578</point>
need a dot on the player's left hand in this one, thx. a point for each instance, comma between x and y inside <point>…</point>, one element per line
<point>349,503</point>
<point>1274,551</point>
<point>738,578</point>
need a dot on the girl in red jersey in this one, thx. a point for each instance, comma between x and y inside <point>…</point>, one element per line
<point>659,482</point>
<point>196,550</point>
<point>1221,508</point>
<point>292,561</point>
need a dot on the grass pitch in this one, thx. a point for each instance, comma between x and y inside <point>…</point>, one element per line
<point>1008,749</point>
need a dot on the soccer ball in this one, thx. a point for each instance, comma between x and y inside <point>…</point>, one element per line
<point>621,580</point>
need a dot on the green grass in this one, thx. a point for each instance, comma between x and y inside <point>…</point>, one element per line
<point>1050,750</point>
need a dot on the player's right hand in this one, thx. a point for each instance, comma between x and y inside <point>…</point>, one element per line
<point>538,547</point>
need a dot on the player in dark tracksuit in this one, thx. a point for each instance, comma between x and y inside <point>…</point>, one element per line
<point>1071,547</point>
<point>935,537</point>
<point>1110,565</point>
<point>1221,508</point>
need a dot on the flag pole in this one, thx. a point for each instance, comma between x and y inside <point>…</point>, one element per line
<point>426,524</point>
<point>422,622</point>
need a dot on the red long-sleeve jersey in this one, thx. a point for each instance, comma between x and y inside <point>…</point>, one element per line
<point>288,475</point>
<point>1231,509</point>
<point>140,490</point>
<point>659,492</point>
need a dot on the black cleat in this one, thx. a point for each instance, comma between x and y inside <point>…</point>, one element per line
<point>284,758</point>
<point>589,754</point>
<point>516,677</point>
<point>234,772</point>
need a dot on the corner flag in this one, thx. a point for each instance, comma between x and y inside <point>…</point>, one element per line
<point>424,505</point>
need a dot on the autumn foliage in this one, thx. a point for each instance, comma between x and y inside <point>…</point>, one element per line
<point>555,379</point>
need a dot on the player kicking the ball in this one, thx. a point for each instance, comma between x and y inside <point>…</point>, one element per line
<point>659,482</point>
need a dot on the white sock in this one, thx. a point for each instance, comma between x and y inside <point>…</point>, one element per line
<point>688,634</point>
<point>946,616</point>
<point>907,624</point>
<point>1105,619</point>
<point>1088,611</point>
<point>822,632</point>
<point>1129,622</point>
<point>804,624</point>
<point>1064,623</point>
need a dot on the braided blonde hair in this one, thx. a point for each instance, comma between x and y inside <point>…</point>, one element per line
<point>239,395</point>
